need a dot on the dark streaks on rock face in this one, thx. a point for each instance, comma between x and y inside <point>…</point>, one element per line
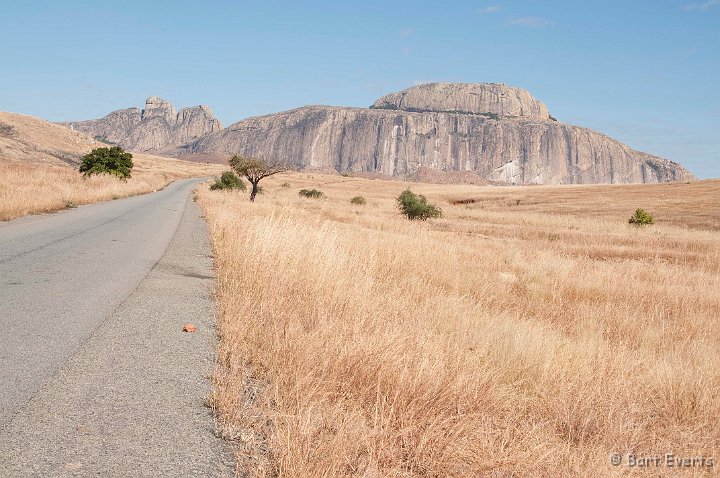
<point>398,143</point>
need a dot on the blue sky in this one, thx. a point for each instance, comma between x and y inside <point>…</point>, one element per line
<point>645,72</point>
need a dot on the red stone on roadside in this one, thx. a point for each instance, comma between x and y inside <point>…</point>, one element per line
<point>189,327</point>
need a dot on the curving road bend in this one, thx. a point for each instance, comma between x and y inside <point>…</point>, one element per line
<point>96,376</point>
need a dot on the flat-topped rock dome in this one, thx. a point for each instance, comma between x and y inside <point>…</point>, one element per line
<point>469,98</point>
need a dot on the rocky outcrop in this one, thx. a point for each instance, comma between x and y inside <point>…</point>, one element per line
<point>493,131</point>
<point>489,99</point>
<point>502,134</point>
<point>156,127</point>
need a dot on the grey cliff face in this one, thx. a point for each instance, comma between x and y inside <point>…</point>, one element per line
<point>399,143</point>
<point>156,127</point>
<point>159,108</point>
<point>498,132</point>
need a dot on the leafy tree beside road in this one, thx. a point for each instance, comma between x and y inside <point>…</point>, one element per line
<point>254,170</point>
<point>114,161</point>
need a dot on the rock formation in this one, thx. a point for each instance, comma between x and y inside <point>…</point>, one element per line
<point>157,126</point>
<point>488,99</point>
<point>492,131</point>
<point>500,133</point>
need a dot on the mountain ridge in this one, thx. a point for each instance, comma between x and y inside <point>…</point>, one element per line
<point>151,129</point>
<point>498,132</point>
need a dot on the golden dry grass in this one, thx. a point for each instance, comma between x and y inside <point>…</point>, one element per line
<point>32,188</point>
<point>532,332</point>
<point>29,139</point>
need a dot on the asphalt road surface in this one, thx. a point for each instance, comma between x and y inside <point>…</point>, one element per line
<point>96,376</point>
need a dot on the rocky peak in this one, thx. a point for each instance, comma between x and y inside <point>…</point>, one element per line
<point>155,127</point>
<point>201,112</point>
<point>158,107</point>
<point>195,122</point>
<point>488,99</point>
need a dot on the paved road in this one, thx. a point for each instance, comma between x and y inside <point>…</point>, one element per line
<point>96,376</point>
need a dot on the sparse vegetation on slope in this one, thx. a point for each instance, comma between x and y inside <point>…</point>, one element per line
<point>529,338</point>
<point>6,130</point>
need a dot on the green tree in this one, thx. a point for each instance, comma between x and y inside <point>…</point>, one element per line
<point>228,180</point>
<point>114,161</point>
<point>415,206</point>
<point>641,218</point>
<point>254,170</point>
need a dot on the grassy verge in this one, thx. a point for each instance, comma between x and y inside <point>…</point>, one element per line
<point>529,332</point>
<point>32,188</point>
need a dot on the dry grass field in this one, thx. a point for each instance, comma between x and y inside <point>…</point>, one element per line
<point>31,188</point>
<point>38,170</point>
<point>530,332</point>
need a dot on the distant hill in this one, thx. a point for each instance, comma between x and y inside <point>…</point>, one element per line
<point>28,139</point>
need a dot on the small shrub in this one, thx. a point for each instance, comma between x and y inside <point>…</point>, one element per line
<point>228,180</point>
<point>285,185</point>
<point>384,106</point>
<point>494,116</point>
<point>641,218</point>
<point>114,161</point>
<point>311,193</point>
<point>456,202</point>
<point>359,200</point>
<point>415,206</point>
<point>7,130</point>
<point>104,139</point>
